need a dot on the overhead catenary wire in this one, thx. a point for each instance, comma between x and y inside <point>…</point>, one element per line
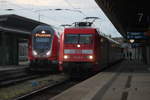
<point>16,6</point>
<point>70,4</point>
<point>6,4</point>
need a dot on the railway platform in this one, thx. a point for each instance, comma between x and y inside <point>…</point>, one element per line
<point>129,80</point>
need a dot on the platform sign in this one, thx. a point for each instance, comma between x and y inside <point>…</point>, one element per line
<point>134,45</point>
<point>140,41</point>
<point>136,35</point>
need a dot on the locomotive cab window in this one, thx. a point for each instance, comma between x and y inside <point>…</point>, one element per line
<point>71,38</point>
<point>78,38</point>
<point>85,39</point>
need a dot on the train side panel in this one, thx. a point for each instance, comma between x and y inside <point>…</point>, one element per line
<point>55,48</point>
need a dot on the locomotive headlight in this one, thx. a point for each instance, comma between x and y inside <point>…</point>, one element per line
<point>48,53</point>
<point>66,57</point>
<point>34,52</point>
<point>78,45</point>
<point>90,57</point>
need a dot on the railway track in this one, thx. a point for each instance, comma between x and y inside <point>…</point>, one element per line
<point>52,87</point>
<point>29,87</point>
<point>50,90</point>
<point>10,77</point>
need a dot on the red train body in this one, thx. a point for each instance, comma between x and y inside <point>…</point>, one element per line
<point>43,48</point>
<point>83,48</point>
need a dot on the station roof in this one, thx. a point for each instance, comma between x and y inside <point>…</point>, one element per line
<point>127,15</point>
<point>17,24</point>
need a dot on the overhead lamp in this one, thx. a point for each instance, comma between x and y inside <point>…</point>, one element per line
<point>132,40</point>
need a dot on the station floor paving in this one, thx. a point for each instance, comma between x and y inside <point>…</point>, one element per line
<point>129,80</point>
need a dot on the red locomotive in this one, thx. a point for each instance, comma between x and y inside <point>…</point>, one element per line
<point>85,49</point>
<point>43,48</point>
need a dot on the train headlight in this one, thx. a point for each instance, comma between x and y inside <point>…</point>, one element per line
<point>34,52</point>
<point>66,57</point>
<point>78,45</point>
<point>48,53</point>
<point>90,57</point>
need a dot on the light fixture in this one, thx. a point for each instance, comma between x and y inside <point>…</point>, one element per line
<point>43,32</point>
<point>132,40</point>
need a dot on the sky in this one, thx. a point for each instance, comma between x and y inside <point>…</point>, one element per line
<point>43,10</point>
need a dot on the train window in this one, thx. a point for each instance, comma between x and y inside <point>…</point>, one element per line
<point>41,46</point>
<point>78,38</point>
<point>41,43</point>
<point>85,39</point>
<point>71,38</point>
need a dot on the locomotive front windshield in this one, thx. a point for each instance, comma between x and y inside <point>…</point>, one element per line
<point>78,38</point>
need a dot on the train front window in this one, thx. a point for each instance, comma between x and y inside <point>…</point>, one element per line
<point>71,38</point>
<point>41,43</point>
<point>78,38</point>
<point>85,39</point>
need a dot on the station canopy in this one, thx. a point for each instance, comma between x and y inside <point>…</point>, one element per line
<point>17,24</point>
<point>127,15</point>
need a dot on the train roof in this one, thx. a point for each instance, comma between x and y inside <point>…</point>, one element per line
<point>112,40</point>
<point>82,29</point>
<point>109,38</point>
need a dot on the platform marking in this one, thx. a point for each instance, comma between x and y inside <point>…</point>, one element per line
<point>104,89</point>
<point>127,85</point>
